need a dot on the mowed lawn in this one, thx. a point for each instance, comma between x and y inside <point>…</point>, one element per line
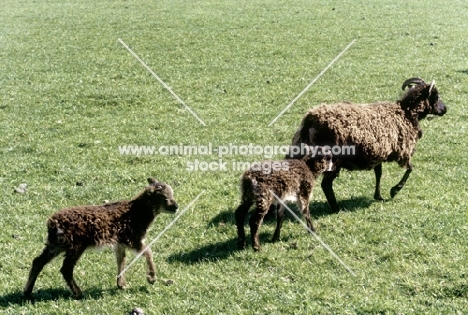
<point>72,94</point>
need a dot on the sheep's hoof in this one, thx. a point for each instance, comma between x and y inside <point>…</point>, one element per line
<point>28,296</point>
<point>394,191</point>
<point>379,198</point>
<point>241,245</point>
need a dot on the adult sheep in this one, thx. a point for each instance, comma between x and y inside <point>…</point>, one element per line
<point>380,132</point>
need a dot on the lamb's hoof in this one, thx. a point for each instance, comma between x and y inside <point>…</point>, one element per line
<point>78,296</point>
<point>256,248</point>
<point>241,245</point>
<point>335,208</point>
<point>275,239</point>
<point>122,286</point>
<point>151,279</point>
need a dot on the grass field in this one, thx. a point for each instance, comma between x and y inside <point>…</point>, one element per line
<point>71,94</point>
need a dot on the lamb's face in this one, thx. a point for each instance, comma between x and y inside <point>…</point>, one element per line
<point>169,204</point>
<point>322,161</point>
<point>162,196</point>
<point>326,162</point>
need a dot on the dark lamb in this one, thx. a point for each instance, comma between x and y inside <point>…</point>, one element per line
<point>291,180</point>
<point>379,132</point>
<point>122,224</point>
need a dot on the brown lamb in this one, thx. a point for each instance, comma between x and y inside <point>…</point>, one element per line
<point>290,180</point>
<point>122,224</point>
<point>379,132</point>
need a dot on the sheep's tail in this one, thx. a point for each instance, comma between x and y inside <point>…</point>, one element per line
<point>306,132</point>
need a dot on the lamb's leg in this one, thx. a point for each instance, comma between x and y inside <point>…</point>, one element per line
<point>279,223</point>
<point>240,214</point>
<point>256,220</point>
<point>150,269</point>
<point>38,264</point>
<point>303,204</point>
<point>121,258</point>
<point>71,257</point>
<point>378,176</point>
<point>327,187</point>
<point>399,186</point>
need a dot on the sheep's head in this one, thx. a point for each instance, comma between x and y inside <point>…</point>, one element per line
<point>161,196</point>
<point>422,98</point>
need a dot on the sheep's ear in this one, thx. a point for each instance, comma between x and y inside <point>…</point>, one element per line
<point>152,181</point>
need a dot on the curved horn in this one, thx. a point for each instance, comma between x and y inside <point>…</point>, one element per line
<point>411,82</point>
<point>432,86</point>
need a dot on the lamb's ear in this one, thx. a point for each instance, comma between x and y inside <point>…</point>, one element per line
<point>152,181</point>
<point>151,189</point>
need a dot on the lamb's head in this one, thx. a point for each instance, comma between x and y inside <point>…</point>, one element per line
<point>161,196</point>
<point>422,98</point>
<point>319,159</point>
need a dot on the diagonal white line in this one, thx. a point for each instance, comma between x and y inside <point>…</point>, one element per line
<point>162,82</point>
<point>311,83</point>
<point>314,234</point>
<point>161,233</point>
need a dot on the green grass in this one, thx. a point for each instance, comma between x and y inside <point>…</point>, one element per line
<point>71,94</point>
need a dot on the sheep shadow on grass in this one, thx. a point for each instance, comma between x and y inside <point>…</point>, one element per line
<point>53,294</point>
<point>317,209</point>
<point>212,252</point>
<point>216,251</point>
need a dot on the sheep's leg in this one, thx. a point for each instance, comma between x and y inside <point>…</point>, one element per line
<point>378,176</point>
<point>71,257</point>
<point>327,187</point>
<point>240,214</point>
<point>256,220</point>
<point>150,269</point>
<point>121,258</point>
<point>279,223</point>
<point>399,186</point>
<point>38,264</point>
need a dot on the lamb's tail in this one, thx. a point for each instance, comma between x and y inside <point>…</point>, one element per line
<point>55,234</point>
